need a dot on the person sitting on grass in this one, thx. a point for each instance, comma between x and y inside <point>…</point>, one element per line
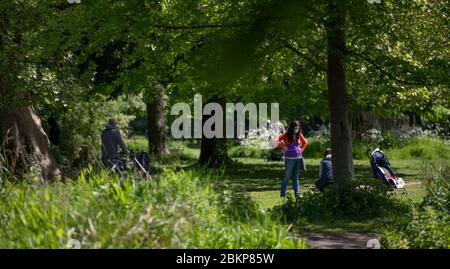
<point>325,171</point>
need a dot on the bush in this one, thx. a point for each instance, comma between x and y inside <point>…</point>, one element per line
<point>360,200</point>
<point>137,143</point>
<point>81,124</point>
<point>359,150</point>
<point>175,210</point>
<point>428,226</point>
<point>422,147</point>
<point>316,147</point>
<point>372,136</point>
<point>435,178</point>
<point>248,152</point>
<point>412,143</point>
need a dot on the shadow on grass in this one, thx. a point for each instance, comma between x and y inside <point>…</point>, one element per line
<point>261,175</point>
<point>248,175</point>
<point>175,161</point>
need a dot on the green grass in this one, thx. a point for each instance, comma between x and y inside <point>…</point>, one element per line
<point>263,179</point>
<point>182,153</point>
<point>186,208</point>
<point>269,199</point>
<point>423,148</point>
<point>137,143</point>
<point>427,225</point>
<point>183,209</point>
<point>252,175</point>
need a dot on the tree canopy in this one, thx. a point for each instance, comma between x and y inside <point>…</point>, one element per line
<point>393,55</point>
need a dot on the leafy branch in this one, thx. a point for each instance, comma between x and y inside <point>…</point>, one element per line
<point>287,45</point>
<point>386,73</point>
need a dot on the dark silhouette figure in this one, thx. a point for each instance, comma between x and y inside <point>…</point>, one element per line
<point>54,133</point>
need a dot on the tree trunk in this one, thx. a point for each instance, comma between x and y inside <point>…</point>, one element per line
<point>24,144</point>
<point>341,141</point>
<point>413,119</point>
<point>156,122</point>
<point>214,151</point>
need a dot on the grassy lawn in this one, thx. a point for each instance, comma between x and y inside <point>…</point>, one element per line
<point>261,179</point>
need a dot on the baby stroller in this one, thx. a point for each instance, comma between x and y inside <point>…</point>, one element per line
<point>381,169</point>
<point>130,163</point>
<point>141,161</point>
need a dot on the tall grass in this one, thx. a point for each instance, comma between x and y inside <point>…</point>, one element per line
<point>361,200</point>
<point>183,209</point>
<point>428,225</point>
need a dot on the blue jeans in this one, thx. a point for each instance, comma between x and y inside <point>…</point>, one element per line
<point>291,169</point>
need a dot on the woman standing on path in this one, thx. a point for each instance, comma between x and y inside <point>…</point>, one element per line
<point>293,143</point>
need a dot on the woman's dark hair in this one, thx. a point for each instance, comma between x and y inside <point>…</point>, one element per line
<point>327,152</point>
<point>290,131</point>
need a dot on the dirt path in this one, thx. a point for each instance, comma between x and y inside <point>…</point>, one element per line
<point>413,182</point>
<point>347,241</point>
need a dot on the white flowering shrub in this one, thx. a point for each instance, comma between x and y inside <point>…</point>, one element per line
<point>261,138</point>
<point>372,136</point>
<point>433,130</point>
<point>258,143</point>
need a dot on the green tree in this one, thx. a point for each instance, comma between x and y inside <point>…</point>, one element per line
<point>24,144</point>
<point>336,38</point>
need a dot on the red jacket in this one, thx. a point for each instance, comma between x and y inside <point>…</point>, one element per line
<point>283,137</point>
